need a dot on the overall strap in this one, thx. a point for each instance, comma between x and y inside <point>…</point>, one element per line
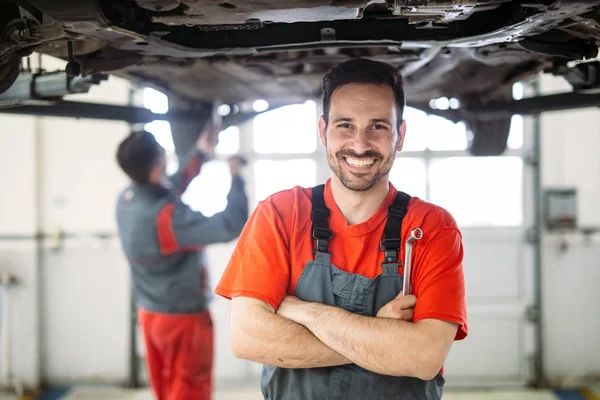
<point>320,223</point>
<point>390,244</point>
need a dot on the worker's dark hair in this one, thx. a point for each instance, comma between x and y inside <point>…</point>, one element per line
<point>363,71</point>
<point>138,154</point>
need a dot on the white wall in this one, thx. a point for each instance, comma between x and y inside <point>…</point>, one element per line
<point>18,256</point>
<point>85,283</point>
<point>571,322</point>
<point>227,369</point>
<point>70,309</point>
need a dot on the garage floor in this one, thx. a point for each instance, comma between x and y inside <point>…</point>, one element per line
<point>254,394</point>
<point>106,393</point>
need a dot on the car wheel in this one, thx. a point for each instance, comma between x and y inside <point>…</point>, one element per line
<point>488,138</point>
<point>9,70</point>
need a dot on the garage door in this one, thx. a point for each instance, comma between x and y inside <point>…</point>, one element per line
<point>488,199</point>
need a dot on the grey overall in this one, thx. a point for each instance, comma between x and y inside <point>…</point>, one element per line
<point>323,282</point>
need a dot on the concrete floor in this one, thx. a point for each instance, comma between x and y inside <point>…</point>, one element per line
<point>254,394</point>
<point>107,393</point>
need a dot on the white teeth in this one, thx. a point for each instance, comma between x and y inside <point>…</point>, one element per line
<point>362,162</point>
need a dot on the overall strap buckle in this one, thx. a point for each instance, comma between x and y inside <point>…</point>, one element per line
<point>320,220</point>
<point>390,248</point>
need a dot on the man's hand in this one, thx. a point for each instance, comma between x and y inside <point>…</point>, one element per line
<point>291,308</point>
<point>236,163</point>
<point>209,138</point>
<point>400,308</point>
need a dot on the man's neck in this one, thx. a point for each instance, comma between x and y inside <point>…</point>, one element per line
<point>358,207</point>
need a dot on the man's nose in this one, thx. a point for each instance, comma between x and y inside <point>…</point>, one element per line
<point>360,142</point>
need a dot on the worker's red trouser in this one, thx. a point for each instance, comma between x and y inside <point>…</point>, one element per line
<point>179,354</point>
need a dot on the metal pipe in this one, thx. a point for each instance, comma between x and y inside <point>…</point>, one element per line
<point>133,379</point>
<point>42,235</point>
<point>491,111</point>
<point>50,87</point>
<point>528,106</point>
<point>74,109</point>
<point>40,271</point>
<point>540,377</point>
<point>7,280</point>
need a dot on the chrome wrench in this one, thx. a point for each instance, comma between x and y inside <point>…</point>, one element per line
<point>415,234</point>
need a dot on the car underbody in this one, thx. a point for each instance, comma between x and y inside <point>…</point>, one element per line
<point>232,52</point>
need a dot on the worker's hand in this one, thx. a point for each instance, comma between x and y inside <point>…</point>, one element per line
<point>209,138</point>
<point>290,308</point>
<point>400,308</point>
<point>236,163</point>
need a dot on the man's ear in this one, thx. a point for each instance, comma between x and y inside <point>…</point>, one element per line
<point>155,176</point>
<point>401,135</point>
<point>323,131</point>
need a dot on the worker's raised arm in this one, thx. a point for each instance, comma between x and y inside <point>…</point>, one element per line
<point>180,228</point>
<point>191,162</point>
<point>189,167</point>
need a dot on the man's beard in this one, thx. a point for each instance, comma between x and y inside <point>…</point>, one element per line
<point>359,182</point>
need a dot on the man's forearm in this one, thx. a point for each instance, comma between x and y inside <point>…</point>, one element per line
<point>383,345</point>
<point>267,338</point>
<point>236,212</point>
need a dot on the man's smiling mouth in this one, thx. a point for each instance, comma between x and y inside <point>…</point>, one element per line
<point>359,162</point>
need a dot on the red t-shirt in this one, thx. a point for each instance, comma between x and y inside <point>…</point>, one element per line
<point>277,243</point>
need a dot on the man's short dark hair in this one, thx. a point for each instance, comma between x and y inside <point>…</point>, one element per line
<point>138,154</point>
<point>367,72</point>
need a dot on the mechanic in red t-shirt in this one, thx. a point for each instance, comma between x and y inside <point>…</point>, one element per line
<point>317,274</point>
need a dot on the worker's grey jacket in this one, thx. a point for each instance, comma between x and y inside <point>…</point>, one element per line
<point>163,239</point>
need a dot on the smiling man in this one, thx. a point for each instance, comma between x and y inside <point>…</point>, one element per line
<point>316,278</point>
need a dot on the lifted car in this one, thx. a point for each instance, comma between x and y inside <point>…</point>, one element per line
<point>238,50</point>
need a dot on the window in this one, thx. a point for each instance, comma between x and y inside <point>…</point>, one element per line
<point>229,141</point>
<point>479,191</point>
<point>515,136</point>
<point>439,134</point>
<point>409,175</point>
<point>444,134</point>
<point>162,132</point>
<point>155,101</point>
<point>287,130</point>
<point>416,131</point>
<point>207,193</point>
<point>432,132</point>
<point>272,176</point>
<point>158,102</point>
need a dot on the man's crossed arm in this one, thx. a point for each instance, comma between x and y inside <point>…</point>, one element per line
<point>308,335</point>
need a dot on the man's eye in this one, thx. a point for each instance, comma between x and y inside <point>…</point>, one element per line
<point>344,126</point>
<point>379,127</point>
